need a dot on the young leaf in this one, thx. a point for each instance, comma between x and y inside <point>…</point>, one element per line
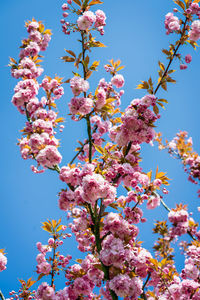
<point>180,3</point>
<point>48,31</point>
<point>40,276</point>
<point>94,65</point>
<point>30,282</point>
<point>71,52</point>
<point>47,227</point>
<point>77,2</point>
<point>164,86</point>
<point>156,109</point>
<point>88,74</point>
<point>161,65</point>
<point>67,59</point>
<point>99,149</point>
<point>149,174</point>
<point>93,2</point>
<point>98,44</point>
<point>143,85</point>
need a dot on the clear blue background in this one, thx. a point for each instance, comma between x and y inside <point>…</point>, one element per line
<point>134,33</point>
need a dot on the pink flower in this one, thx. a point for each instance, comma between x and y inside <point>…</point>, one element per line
<point>153,202</point>
<point>171,23</point>
<point>3,262</point>
<point>66,200</point>
<point>124,286</point>
<point>194,33</point>
<point>45,292</point>
<point>44,268</point>
<point>100,18</point>
<point>188,58</point>
<point>195,8</point>
<point>79,85</point>
<point>86,20</point>
<point>65,6</point>
<point>49,157</point>
<point>80,105</point>
<point>32,26</point>
<point>183,67</point>
<point>24,91</point>
<point>113,252</point>
<point>118,81</point>
<point>65,14</point>
<point>83,286</point>
<point>101,98</point>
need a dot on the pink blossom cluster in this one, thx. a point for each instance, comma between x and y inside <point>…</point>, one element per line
<point>178,290</point>
<point>81,105</point>
<point>53,88</point>
<point>153,201</point>
<point>26,69</point>
<point>66,27</point>
<point>171,23</point>
<point>88,186</point>
<point>106,90</point>
<point>119,227</point>
<point>102,127</point>
<point>129,171</point>
<point>180,219</point>
<point>40,143</point>
<point>99,129</point>
<point>138,196</point>
<point>44,265</point>
<point>88,19</point>
<point>188,59</point>
<point>37,41</point>
<point>190,159</point>
<point>192,263</point>
<point>117,247</point>
<point>118,251</point>
<point>194,9</point>
<point>84,277</point>
<point>81,229</point>
<point>194,33</point>
<point>35,36</point>
<point>118,81</point>
<point>137,123</point>
<point>45,292</point>
<point>3,262</point>
<point>124,286</point>
<point>25,91</point>
<point>79,85</point>
<point>193,165</point>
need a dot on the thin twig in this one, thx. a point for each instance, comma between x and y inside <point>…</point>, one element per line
<point>1,295</point>
<point>174,55</point>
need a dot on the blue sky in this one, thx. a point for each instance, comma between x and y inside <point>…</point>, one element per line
<point>134,33</point>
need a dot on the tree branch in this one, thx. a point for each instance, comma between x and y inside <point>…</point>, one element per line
<point>1,295</point>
